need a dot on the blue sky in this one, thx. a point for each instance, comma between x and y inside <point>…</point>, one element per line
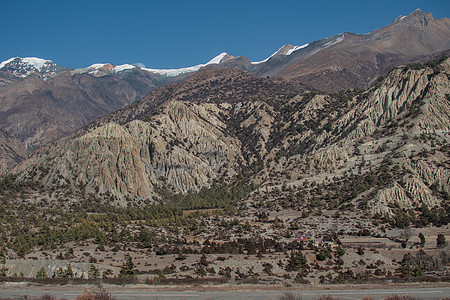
<point>172,34</point>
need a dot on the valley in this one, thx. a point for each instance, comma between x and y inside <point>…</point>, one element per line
<point>323,165</point>
<point>328,190</point>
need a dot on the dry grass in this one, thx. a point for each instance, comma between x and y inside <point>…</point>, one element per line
<point>290,296</point>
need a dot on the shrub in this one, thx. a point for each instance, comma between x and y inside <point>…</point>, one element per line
<point>289,296</point>
<point>323,254</point>
<point>96,294</point>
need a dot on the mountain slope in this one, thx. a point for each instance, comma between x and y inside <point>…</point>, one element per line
<point>176,136</point>
<point>358,60</point>
<point>37,111</point>
<point>388,144</point>
<point>41,101</point>
<point>12,152</point>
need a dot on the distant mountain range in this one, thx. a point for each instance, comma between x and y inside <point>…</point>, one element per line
<point>41,101</point>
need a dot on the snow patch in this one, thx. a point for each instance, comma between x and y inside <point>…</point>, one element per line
<point>217,59</point>
<point>92,69</point>
<point>7,62</point>
<point>176,72</point>
<point>289,52</point>
<point>123,68</point>
<point>338,40</point>
<point>96,66</point>
<point>296,48</point>
<point>38,63</point>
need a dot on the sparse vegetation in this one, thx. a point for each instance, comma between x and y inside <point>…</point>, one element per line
<point>324,191</point>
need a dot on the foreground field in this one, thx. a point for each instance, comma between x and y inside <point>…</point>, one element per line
<point>272,258</point>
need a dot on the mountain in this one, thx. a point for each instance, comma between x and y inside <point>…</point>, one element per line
<point>41,101</point>
<point>385,147</point>
<point>350,60</point>
<point>12,152</point>
<point>22,67</point>
<point>354,61</point>
<point>38,111</point>
<point>187,147</point>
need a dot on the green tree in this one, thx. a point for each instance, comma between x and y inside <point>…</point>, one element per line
<point>60,272</point>
<point>3,268</point>
<point>181,256</point>
<point>323,254</point>
<point>417,271</point>
<point>422,239</point>
<point>360,250</point>
<point>200,271</point>
<point>440,241</point>
<point>69,272</point>
<point>3,271</point>
<point>41,273</point>
<point>203,260</point>
<point>340,252</point>
<point>64,273</point>
<point>297,261</point>
<point>93,272</point>
<point>128,267</point>
<point>146,237</point>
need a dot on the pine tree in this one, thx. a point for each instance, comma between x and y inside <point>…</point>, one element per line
<point>128,268</point>
<point>440,241</point>
<point>93,272</point>
<point>297,261</point>
<point>69,272</point>
<point>41,273</point>
<point>203,260</point>
<point>3,268</point>
<point>422,239</point>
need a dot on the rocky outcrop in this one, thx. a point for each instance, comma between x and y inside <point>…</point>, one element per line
<point>12,151</point>
<point>183,148</point>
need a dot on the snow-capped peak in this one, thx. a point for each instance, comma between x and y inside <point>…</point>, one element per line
<point>123,68</point>
<point>37,63</point>
<point>23,67</point>
<point>175,72</point>
<point>96,66</point>
<point>284,50</point>
<point>103,69</point>
<point>217,59</point>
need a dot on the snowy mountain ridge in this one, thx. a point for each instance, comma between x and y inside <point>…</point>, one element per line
<point>23,67</point>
